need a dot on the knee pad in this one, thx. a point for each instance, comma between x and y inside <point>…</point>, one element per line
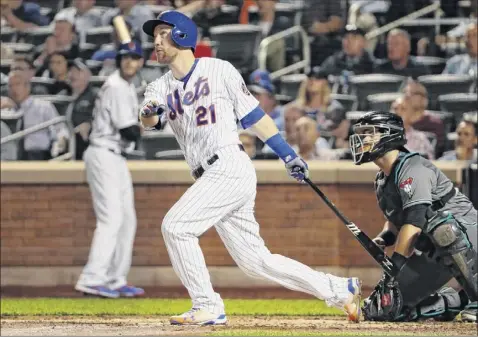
<point>458,254</point>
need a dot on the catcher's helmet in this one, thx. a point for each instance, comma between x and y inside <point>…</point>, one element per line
<point>184,32</point>
<point>375,134</point>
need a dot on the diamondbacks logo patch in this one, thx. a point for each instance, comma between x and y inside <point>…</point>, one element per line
<point>244,89</point>
<point>406,186</point>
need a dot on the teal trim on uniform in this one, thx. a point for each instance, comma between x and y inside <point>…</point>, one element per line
<point>402,161</point>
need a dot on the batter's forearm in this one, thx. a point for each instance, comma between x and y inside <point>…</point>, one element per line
<point>265,128</point>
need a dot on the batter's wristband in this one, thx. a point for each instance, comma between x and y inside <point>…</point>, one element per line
<point>388,237</point>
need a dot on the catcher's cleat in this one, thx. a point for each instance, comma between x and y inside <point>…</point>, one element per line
<point>197,316</point>
<point>101,291</point>
<point>469,313</point>
<point>352,308</point>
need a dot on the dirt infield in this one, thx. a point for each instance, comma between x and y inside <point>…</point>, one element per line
<point>157,326</point>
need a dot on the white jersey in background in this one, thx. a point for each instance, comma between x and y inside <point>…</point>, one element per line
<point>202,114</point>
<point>116,107</point>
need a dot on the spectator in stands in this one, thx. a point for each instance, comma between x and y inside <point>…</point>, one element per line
<point>315,98</point>
<point>420,119</point>
<point>58,71</point>
<point>8,150</point>
<point>465,64</point>
<point>22,15</point>
<point>23,63</point>
<point>417,141</point>
<point>311,146</point>
<point>136,12</point>
<point>43,144</point>
<point>83,105</point>
<point>324,21</point>
<point>270,24</point>
<point>353,57</point>
<point>212,14</point>
<point>292,112</point>
<point>467,141</point>
<point>400,62</point>
<point>248,140</point>
<point>63,39</point>
<point>263,89</point>
<point>83,14</point>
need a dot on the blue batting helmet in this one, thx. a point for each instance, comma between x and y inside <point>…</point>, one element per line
<point>184,32</point>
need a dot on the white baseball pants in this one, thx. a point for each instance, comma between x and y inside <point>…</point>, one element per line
<point>112,194</point>
<point>224,197</point>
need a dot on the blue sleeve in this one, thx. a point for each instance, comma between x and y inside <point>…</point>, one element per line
<point>33,15</point>
<point>252,117</point>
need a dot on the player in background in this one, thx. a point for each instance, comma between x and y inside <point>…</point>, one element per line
<point>201,99</point>
<point>115,129</point>
<point>432,225</point>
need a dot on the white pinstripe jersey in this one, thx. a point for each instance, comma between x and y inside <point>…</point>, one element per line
<point>115,108</point>
<point>203,113</point>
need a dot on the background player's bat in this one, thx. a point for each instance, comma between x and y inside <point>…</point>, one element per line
<point>121,29</point>
<point>375,251</point>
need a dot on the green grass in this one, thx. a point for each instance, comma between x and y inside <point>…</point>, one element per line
<point>152,307</point>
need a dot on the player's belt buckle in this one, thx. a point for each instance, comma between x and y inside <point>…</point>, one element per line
<point>197,173</point>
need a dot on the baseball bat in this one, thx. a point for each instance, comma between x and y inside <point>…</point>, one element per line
<point>375,251</point>
<point>122,30</point>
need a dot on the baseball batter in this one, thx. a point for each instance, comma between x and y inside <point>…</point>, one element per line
<point>431,224</point>
<point>202,99</point>
<point>115,128</point>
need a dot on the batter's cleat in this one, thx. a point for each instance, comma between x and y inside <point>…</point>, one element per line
<point>101,291</point>
<point>197,316</point>
<point>130,291</point>
<point>352,308</point>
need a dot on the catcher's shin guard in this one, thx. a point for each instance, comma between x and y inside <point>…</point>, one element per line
<point>457,252</point>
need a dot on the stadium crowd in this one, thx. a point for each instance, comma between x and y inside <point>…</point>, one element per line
<point>55,55</point>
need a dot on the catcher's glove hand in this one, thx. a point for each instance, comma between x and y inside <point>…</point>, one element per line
<point>385,303</point>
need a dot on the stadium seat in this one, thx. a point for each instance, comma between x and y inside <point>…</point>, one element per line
<point>158,9</point>
<point>97,81</point>
<point>353,116</point>
<point>55,5</point>
<point>283,99</point>
<point>237,44</point>
<point>169,155</point>
<point>148,48</point>
<point>60,102</point>
<point>20,48</point>
<point>94,66</point>
<point>42,84</point>
<point>364,85</point>
<point>435,64</point>
<point>5,66</point>
<point>8,34</point>
<point>458,103</point>
<point>382,101</point>
<point>86,50</point>
<point>12,119</point>
<point>99,35</point>
<point>444,84</point>
<point>290,84</point>
<point>349,102</point>
<point>156,141</point>
<point>37,36</point>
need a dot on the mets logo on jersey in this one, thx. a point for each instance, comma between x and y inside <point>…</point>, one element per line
<point>406,186</point>
<point>244,89</point>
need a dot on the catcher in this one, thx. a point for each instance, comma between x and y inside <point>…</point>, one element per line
<point>432,225</point>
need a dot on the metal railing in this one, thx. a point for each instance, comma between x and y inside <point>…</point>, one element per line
<point>264,45</point>
<point>57,120</point>
<point>435,7</point>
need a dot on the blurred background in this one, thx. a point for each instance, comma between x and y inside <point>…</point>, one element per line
<point>314,65</point>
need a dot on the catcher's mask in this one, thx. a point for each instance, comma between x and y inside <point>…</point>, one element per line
<point>375,134</point>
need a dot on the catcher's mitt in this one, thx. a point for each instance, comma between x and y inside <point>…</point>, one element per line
<point>385,303</point>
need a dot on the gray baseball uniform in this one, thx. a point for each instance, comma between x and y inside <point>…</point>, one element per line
<point>415,180</point>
